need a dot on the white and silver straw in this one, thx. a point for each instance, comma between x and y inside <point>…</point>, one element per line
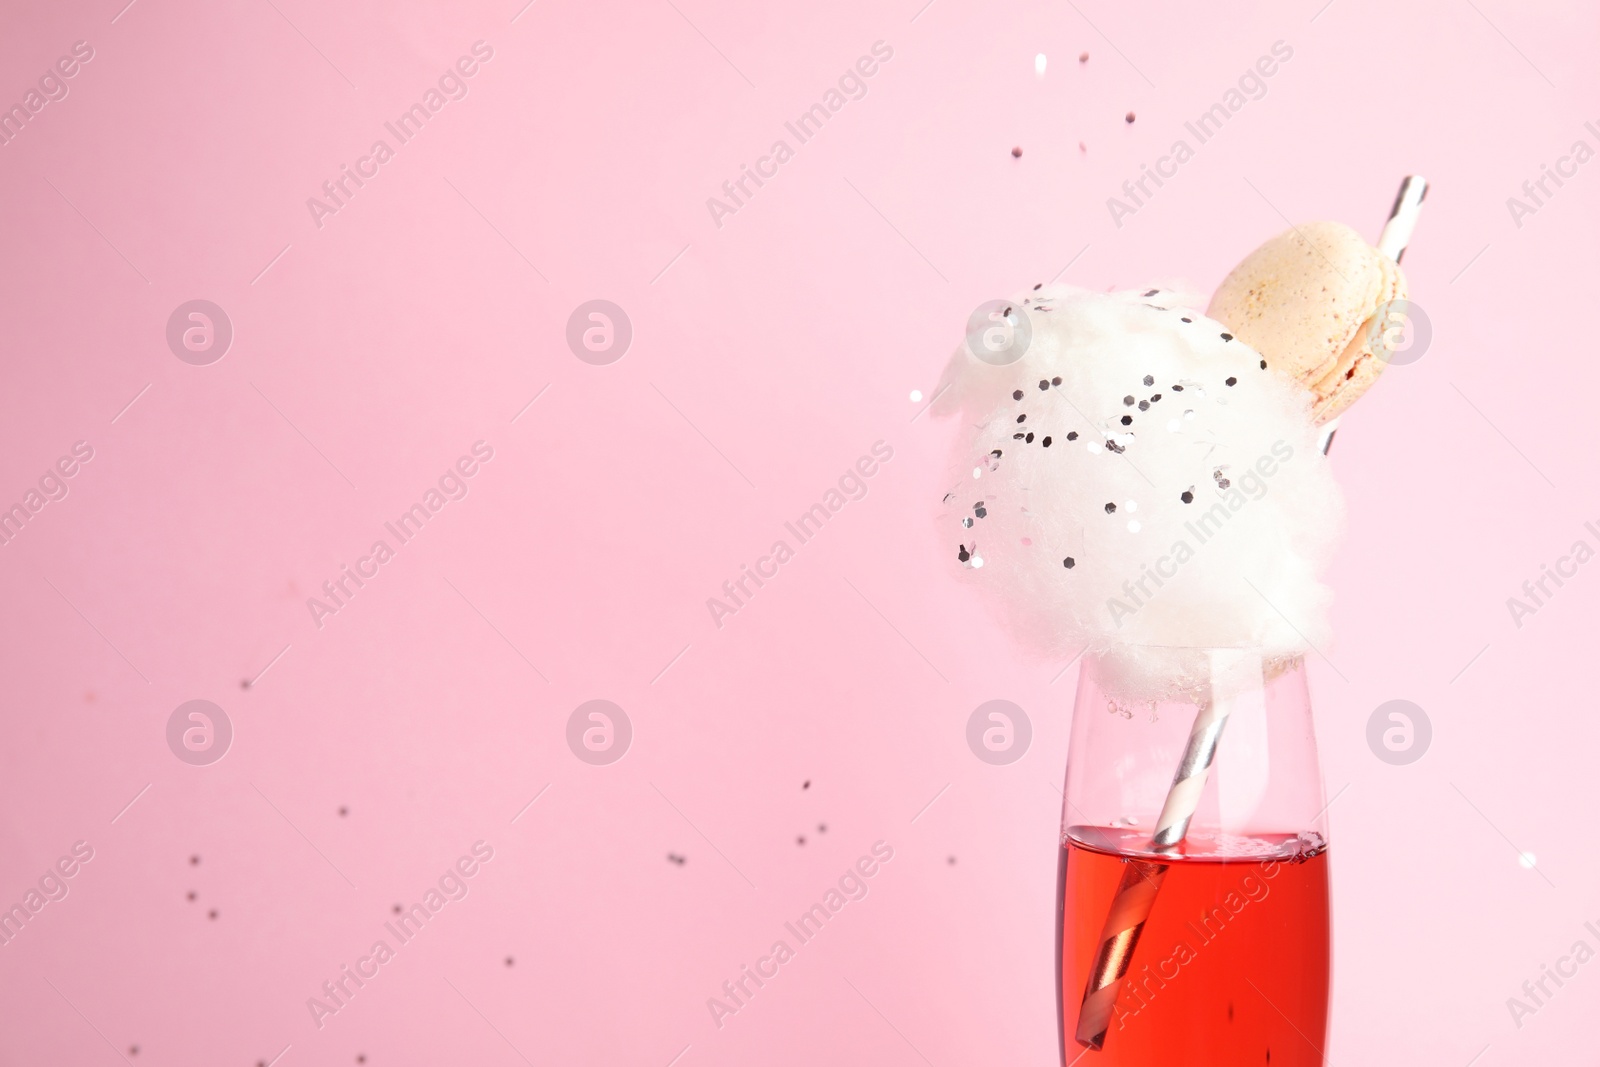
<point>1392,242</point>
<point>1141,879</point>
<point>1403,217</point>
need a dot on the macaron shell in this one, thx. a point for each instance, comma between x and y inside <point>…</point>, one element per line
<point>1360,345</point>
<point>1302,297</point>
<point>1363,358</point>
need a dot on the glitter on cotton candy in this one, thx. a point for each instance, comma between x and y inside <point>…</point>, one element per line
<point>1182,502</point>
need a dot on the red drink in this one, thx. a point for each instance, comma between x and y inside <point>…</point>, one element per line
<point>1230,968</point>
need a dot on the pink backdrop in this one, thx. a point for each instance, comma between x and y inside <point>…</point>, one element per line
<point>374,345</point>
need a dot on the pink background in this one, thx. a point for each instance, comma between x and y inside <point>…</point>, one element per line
<point>767,355</point>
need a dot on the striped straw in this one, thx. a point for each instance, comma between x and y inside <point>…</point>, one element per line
<point>1141,879</point>
<point>1403,217</point>
<point>1392,243</point>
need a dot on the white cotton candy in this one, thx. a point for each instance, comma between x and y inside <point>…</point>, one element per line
<point>1237,567</point>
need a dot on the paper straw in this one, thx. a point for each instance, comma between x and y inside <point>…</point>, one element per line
<point>1392,243</point>
<point>1190,780</point>
<point>1141,879</point>
<point>1403,217</point>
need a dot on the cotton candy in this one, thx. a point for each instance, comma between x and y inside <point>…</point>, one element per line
<point>1137,483</point>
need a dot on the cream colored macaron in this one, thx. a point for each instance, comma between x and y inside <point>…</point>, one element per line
<point>1305,300</point>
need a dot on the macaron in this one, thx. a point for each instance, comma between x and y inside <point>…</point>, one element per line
<point>1306,301</point>
<point>1364,358</point>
